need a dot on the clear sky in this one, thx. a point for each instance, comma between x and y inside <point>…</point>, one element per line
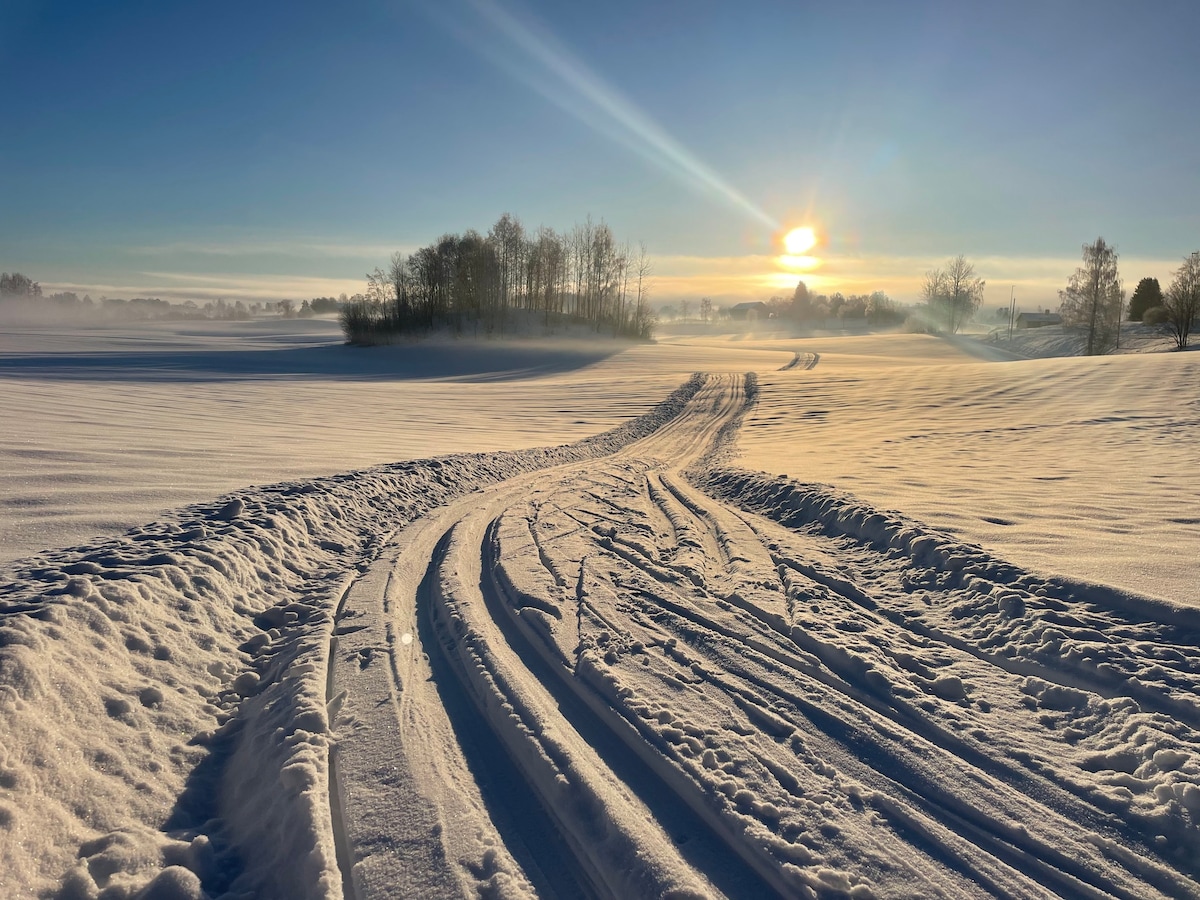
<point>270,149</point>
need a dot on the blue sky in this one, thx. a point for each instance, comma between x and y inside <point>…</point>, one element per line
<point>282,149</point>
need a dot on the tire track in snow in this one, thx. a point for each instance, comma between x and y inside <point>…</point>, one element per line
<point>803,360</point>
<point>852,740</point>
<point>629,830</point>
<point>524,823</point>
<point>1060,701</point>
<point>791,688</point>
<point>623,754</point>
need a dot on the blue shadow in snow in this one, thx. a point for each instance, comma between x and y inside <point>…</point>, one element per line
<point>468,361</point>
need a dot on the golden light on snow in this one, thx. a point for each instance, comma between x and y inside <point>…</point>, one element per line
<point>799,241</point>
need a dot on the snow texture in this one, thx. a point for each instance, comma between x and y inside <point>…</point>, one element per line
<point>637,665</point>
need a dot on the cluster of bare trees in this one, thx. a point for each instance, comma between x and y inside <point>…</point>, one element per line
<point>18,285</point>
<point>478,281</point>
<point>953,293</point>
<point>1094,299</point>
<point>877,308</point>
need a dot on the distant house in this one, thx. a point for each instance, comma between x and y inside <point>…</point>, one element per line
<point>1037,319</point>
<point>748,312</point>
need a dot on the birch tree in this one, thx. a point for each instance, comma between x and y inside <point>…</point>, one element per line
<point>1094,297</point>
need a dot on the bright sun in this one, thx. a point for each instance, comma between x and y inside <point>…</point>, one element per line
<point>800,240</point>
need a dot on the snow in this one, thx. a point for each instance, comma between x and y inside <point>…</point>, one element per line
<point>114,426</point>
<point>878,619</point>
<point>1068,465</point>
<point>1069,340</point>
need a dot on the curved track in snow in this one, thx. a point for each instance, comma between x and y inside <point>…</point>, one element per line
<point>612,669</point>
<point>802,360</point>
<point>598,680</point>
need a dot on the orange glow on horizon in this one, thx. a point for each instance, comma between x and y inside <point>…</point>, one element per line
<point>795,263</point>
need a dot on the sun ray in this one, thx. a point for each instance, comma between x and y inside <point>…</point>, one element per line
<point>531,54</point>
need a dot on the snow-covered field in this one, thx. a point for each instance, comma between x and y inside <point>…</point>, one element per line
<point>877,619</point>
<point>112,426</point>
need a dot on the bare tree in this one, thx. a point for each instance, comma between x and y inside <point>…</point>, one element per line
<point>643,319</point>
<point>379,287</point>
<point>706,306</point>
<point>1183,299</point>
<point>1094,297</point>
<point>19,285</point>
<point>954,292</point>
<point>603,278</point>
<point>400,276</point>
<point>508,238</point>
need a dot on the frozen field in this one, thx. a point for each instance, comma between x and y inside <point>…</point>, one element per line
<point>877,619</point>
<point>110,427</point>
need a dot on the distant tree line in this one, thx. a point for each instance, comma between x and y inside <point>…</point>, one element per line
<point>876,308</point>
<point>20,293</point>
<point>804,308</point>
<point>807,308</point>
<point>478,281</point>
<point>319,305</point>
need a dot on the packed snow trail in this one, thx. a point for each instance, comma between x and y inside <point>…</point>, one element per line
<point>697,700</point>
<point>165,698</point>
<point>617,668</point>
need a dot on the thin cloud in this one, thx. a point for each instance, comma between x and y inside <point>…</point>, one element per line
<point>301,249</point>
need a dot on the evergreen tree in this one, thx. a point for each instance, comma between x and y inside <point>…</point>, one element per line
<point>1147,294</point>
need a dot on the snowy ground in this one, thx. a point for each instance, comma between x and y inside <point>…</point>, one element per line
<point>1065,340</point>
<point>1076,466</point>
<point>639,664</point>
<point>113,426</point>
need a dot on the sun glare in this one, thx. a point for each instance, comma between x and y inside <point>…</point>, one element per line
<point>799,240</point>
